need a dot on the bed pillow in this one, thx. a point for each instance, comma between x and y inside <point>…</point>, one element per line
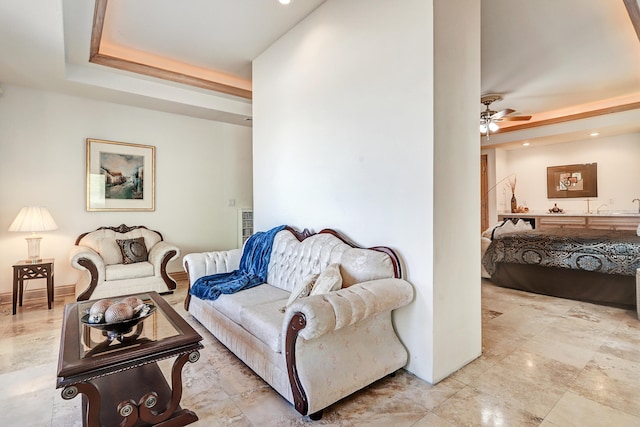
<point>133,250</point>
<point>638,230</point>
<point>489,231</point>
<point>509,227</point>
<point>329,280</point>
<point>302,289</point>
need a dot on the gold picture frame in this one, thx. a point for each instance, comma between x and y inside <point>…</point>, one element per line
<point>568,181</point>
<point>120,176</point>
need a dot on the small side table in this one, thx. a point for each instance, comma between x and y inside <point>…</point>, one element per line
<point>27,270</point>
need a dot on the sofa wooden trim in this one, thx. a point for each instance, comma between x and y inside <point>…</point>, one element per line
<point>299,322</point>
<point>122,228</point>
<point>187,299</point>
<point>397,268</point>
<point>93,269</point>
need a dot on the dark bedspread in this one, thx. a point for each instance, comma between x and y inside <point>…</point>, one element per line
<point>603,251</point>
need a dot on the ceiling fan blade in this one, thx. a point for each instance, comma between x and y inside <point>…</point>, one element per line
<point>516,118</point>
<point>501,114</point>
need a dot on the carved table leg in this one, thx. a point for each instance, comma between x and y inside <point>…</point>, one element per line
<point>148,412</point>
<point>91,408</point>
<point>112,400</point>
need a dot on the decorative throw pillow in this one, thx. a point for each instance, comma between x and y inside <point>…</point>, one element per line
<point>302,289</point>
<point>133,250</point>
<point>329,280</point>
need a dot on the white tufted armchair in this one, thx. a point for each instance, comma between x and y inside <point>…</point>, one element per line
<point>106,272</point>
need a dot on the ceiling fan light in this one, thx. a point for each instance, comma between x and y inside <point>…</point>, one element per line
<point>493,127</point>
<point>483,128</point>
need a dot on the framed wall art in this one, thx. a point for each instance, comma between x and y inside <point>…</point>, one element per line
<point>120,176</point>
<point>572,181</point>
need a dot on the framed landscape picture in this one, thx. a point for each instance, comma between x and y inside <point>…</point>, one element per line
<point>572,181</point>
<point>120,176</point>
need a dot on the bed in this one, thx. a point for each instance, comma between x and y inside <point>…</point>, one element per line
<point>584,264</point>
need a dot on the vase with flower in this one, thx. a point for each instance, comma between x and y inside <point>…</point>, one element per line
<point>514,202</point>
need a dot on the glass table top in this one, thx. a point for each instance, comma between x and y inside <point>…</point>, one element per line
<point>87,351</point>
<point>95,341</point>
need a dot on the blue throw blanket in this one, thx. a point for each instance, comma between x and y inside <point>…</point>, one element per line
<point>252,271</point>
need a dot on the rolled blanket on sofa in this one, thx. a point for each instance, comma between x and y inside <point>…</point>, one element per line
<point>252,272</point>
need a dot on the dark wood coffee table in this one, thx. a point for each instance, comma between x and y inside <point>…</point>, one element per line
<point>118,375</point>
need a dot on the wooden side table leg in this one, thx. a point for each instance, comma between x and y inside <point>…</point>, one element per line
<point>53,282</point>
<point>50,287</point>
<point>15,289</point>
<point>20,291</point>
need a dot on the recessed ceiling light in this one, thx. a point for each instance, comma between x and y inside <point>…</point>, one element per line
<point>526,144</point>
<point>284,1</point>
<point>594,134</point>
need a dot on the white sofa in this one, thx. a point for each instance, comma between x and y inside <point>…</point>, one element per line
<point>103,271</point>
<point>322,347</point>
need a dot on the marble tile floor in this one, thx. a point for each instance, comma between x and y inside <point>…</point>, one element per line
<point>545,361</point>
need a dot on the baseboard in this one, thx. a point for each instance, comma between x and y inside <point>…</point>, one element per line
<point>39,294</point>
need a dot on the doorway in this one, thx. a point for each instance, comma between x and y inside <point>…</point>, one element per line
<point>484,191</point>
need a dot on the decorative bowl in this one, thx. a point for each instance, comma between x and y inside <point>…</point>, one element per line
<point>119,328</point>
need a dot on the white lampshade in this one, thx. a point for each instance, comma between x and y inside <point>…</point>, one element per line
<point>32,219</point>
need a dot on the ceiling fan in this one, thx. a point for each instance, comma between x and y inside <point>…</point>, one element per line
<point>489,118</point>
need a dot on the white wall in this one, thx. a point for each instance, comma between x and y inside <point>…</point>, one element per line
<point>618,173</point>
<point>456,285</point>
<point>200,165</point>
<point>344,138</point>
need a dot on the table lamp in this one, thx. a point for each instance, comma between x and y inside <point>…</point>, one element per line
<point>33,219</point>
